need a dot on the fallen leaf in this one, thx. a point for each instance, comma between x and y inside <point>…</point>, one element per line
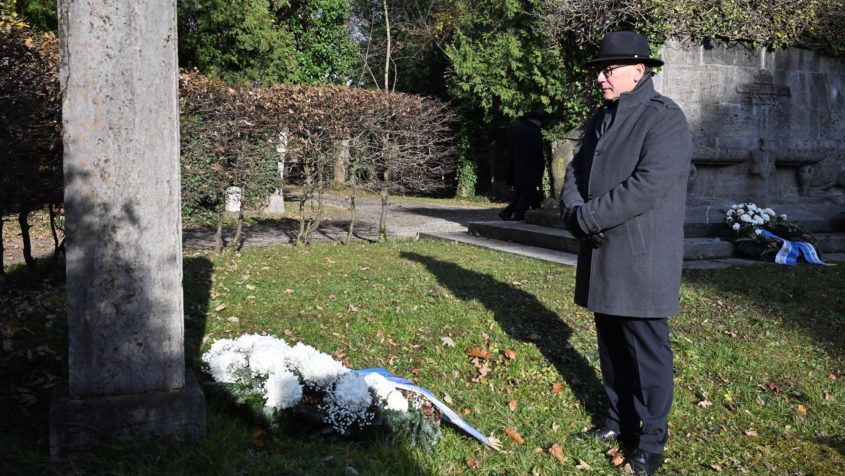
<point>557,451</point>
<point>583,465</point>
<point>828,397</point>
<point>516,283</point>
<point>801,409</point>
<point>509,354</point>
<point>512,405</point>
<point>288,291</point>
<point>750,433</point>
<point>774,388</point>
<point>352,308</point>
<point>471,464</point>
<point>220,307</point>
<point>478,352</point>
<point>250,287</point>
<point>514,435</point>
<point>251,299</point>
<point>447,341</point>
<point>495,443</point>
<point>447,398</point>
<point>704,403</point>
<point>716,468</point>
<point>831,376</point>
<point>723,379</point>
<point>466,411</point>
<point>233,320</point>
<point>557,388</point>
<point>616,457</point>
<point>415,371</point>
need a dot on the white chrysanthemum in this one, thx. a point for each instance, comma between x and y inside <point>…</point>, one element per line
<point>317,369</point>
<point>282,390</point>
<point>752,206</point>
<point>248,342</point>
<point>379,384</point>
<point>353,392</point>
<point>225,366</point>
<point>734,206</point>
<point>758,231</point>
<point>766,218</point>
<point>268,358</point>
<point>736,226</point>
<point>759,220</point>
<point>769,211</point>
<point>396,401</point>
<point>746,218</point>
<point>783,216</point>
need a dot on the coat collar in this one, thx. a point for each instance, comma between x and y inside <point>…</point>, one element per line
<point>630,101</point>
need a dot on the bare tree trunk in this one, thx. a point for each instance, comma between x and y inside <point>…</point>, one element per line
<point>300,237</point>
<point>351,218</point>
<point>218,237</point>
<point>386,56</point>
<point>237,240</point>
<point>2,266</point>
<point>27,243</point>
<point>382,221</point>
<point>53,228</point>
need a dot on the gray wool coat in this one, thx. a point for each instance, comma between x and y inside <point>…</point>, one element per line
<point>631,183</point>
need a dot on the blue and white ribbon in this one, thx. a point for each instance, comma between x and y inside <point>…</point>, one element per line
<point>790,251</point>
<point>448,414</point>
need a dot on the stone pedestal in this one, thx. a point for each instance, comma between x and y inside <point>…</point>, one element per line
<point>81,424</point>
<point>126,359</point>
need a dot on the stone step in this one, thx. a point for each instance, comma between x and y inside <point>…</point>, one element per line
<point>831,242</point>
<point>697,227</point>
<point>561,240</point>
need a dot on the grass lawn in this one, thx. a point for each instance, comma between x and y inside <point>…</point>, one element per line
<point>759,355</point>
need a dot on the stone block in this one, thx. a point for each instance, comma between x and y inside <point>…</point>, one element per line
<point>78,425</point>
<point>739,55</point>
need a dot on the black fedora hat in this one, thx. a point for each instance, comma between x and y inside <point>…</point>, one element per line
<point>624,47</point>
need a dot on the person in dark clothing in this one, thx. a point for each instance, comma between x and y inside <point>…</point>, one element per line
<point>525,155</point>
<point>624,197</point>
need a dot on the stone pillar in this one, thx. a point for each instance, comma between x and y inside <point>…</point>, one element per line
<point>562,152</point>
<point>276,202</point>
<point>341,161</point>
<point>126,361</point>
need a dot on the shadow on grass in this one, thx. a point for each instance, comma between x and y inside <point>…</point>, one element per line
<point>462,216</point>
<point>524,317</point>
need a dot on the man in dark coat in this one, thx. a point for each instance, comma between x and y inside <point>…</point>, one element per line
<point>624,197</point>
<point>525,155</point>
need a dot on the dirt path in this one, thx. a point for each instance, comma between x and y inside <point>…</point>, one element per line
<point>406,217</point>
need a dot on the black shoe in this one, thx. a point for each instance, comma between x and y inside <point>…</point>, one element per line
<point>601,434</point>
<point>644,463</point>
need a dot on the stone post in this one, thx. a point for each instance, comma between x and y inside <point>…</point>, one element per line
<point>562,152</point>
<point>126,361</point>
<point>276,202</point>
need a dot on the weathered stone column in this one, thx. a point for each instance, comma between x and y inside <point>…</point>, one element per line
<point>126,359</point>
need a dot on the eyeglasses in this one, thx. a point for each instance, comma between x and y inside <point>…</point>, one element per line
<point>608,71</point>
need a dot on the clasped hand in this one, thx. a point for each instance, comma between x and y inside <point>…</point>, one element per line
<point>570,218</point>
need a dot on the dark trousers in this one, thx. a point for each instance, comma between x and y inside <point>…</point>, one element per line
<point>636,367</point>
<point>526,198</point>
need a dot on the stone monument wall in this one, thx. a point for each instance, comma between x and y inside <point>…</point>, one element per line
<point>768,126</point>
